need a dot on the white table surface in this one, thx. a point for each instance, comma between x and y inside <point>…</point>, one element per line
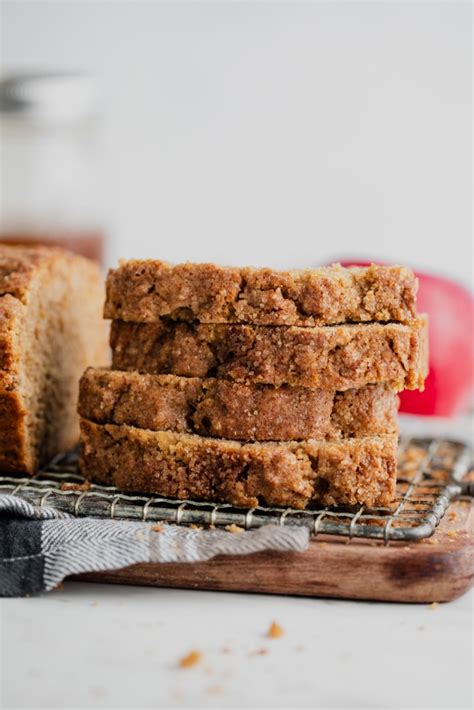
<point>104,646</point>
<point>101,646</point>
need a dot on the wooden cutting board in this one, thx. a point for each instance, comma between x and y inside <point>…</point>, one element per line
<point>437,569</point>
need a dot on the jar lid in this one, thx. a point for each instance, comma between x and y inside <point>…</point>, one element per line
<point>50,97</point>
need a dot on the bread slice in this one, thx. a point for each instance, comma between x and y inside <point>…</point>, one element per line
<point>146,290</point>
<point>333,357</point>
<point>221,408</point>
<point>50,330</point>
<point>348,472</point>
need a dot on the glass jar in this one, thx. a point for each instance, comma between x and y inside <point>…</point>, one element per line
<point>49,166</point>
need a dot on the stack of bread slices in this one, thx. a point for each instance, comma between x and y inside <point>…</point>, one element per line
<point>253,386</point>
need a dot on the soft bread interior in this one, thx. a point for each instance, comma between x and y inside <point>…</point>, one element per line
<point>57,332</point>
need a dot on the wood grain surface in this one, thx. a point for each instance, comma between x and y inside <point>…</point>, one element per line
<point>437,569</point>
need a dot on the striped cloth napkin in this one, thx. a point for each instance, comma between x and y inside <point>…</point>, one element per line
<point>39,547</point>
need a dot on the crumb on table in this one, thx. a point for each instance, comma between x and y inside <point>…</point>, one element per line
<point>190,659</point>
<point>275,631</point>
<point>259,652</point>
<point>215,689</point>
<point>158,528</point>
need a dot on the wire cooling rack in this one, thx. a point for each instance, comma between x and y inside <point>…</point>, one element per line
<point>430,473</point>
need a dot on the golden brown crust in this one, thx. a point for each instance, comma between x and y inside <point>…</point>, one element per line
<point>11,320</point>
<point>50,330</point>
<point>221,408</point>
<point>15,453</point>
<point>146,290</point>
<point>350,472</point>
<point>336,357</point>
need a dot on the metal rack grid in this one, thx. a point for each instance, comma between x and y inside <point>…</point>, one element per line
<point>430,474</point>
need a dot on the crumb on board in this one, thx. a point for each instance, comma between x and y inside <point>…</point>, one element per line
<point>59,587</point>
<point>233,528</point>
<point>452,516</point>
<point>226,650</point>
<point>323,544</point>
<point>452,533</point>
<point>300,647</point>
<point>190,659</point>
<point>75,486</point>
<point>414,453</point>
<point>195,527</point>
<point>433,606</point>
<point>158,528</point>
<point>432,541</point>
<point>275,631</point>
<point>438,474</point>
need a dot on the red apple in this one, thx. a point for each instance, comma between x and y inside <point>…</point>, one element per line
<point>449,387</point>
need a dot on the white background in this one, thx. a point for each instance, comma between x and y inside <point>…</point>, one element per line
<point>270,133</point>
<point>92,646</point>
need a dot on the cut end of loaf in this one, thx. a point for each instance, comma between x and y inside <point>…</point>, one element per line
<point>50,311</point>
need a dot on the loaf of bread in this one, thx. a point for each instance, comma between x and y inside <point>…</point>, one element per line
<point>346,472</point>
<point>147,290</point>
<point>221,408</point>
<point>50,330</point>
<point>331,357</point>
